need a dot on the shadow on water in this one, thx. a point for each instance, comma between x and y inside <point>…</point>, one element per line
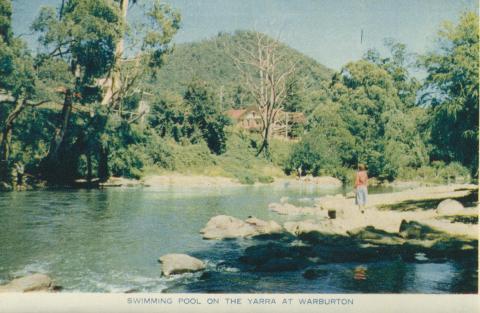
<point>326,264</point>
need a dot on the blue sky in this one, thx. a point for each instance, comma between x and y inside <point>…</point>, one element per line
<point>326,30</point>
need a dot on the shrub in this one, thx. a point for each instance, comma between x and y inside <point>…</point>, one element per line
<point>265,179</point>
<point>315,155</point>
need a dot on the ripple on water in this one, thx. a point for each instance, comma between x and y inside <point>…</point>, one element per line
<point>32,268</point>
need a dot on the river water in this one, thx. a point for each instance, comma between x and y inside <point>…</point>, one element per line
<point>110,240</point>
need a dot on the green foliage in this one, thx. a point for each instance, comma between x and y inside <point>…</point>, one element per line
<point>314,155</point>
<point>327,119</point>
<point>369,115</point>
<point>366,113</point>
<point>452,83</point>
<point>281,151</point>
<point>437,172</point>
<point>163,22</point>
<point>167,116</point>
<point>191,157</point>
<point>86,34</point>
<point>197,117</point>
<point>382,123</point>
<point>5,20</point>
<point>209,61</point>
<point>206,117</point>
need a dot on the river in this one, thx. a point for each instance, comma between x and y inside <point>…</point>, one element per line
<point>110,240</point>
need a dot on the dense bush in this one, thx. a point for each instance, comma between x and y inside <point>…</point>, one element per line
<point>437,172</point>
<point>315,155</point>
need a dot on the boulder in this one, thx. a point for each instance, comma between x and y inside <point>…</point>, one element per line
<point>228,227</point>
<point>376,236</point>
<point>34,282</point>
<point>449,207</point>
<point>416,230</point>
<point>180,263</point>
<point>328,227</point>
<point>264,227</point>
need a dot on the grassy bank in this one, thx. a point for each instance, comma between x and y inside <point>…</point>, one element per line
<point>239,162</point>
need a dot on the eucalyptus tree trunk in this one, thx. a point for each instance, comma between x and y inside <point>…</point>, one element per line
<point>113,80</point>
<point>60,132</point>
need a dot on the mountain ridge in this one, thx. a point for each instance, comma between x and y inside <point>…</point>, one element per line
<point>208,61</point>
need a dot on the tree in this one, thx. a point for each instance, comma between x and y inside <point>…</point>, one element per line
<point>83,34</point>
<point>327,119</point>
<point>167,116</point>
<point>150,39</point>
<point>22,85</point>
<point>90,35</point>
<point>384,130</point>
<point>266,71</point>
<point>452,92</point>
<point>398,63</point>
<point>205,117</point>
<point>315,154</point>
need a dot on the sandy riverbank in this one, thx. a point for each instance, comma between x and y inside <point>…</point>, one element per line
<point>183,180</point>
<point>387,211</point>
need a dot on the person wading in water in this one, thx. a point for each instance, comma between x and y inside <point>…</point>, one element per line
<point>361,191</point>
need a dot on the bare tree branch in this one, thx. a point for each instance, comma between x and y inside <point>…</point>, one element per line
<point>265,73</point>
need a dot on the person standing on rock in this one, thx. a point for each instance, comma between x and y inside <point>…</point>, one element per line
<point>361,191</point>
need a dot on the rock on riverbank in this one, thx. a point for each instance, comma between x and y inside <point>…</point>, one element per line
<point>179,264</point>
<point>34,282</point>
<point>228,227</point>
<point>387,211</point>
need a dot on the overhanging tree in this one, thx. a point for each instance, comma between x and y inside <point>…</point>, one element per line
<point>452,92</point>
<point>83,34</point>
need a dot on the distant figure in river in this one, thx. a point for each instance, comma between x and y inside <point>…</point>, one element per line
<point>361,191</point>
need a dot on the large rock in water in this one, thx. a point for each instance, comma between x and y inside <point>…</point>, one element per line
<point>326,227</point>
<point>264,227</point>
<point>229,227</point>
<point>376,236</point>
<point>416,230</point>
<point>180,263</point>
<point>35,282</point>
<point>290,209</point>
<point>449,207</point>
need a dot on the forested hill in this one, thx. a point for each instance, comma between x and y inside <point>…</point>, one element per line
<point>210,61</point>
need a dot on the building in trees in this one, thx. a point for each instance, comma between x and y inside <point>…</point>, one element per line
<point>285,124</point>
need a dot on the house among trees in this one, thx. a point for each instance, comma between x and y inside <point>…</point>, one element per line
<point>286,124</point>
